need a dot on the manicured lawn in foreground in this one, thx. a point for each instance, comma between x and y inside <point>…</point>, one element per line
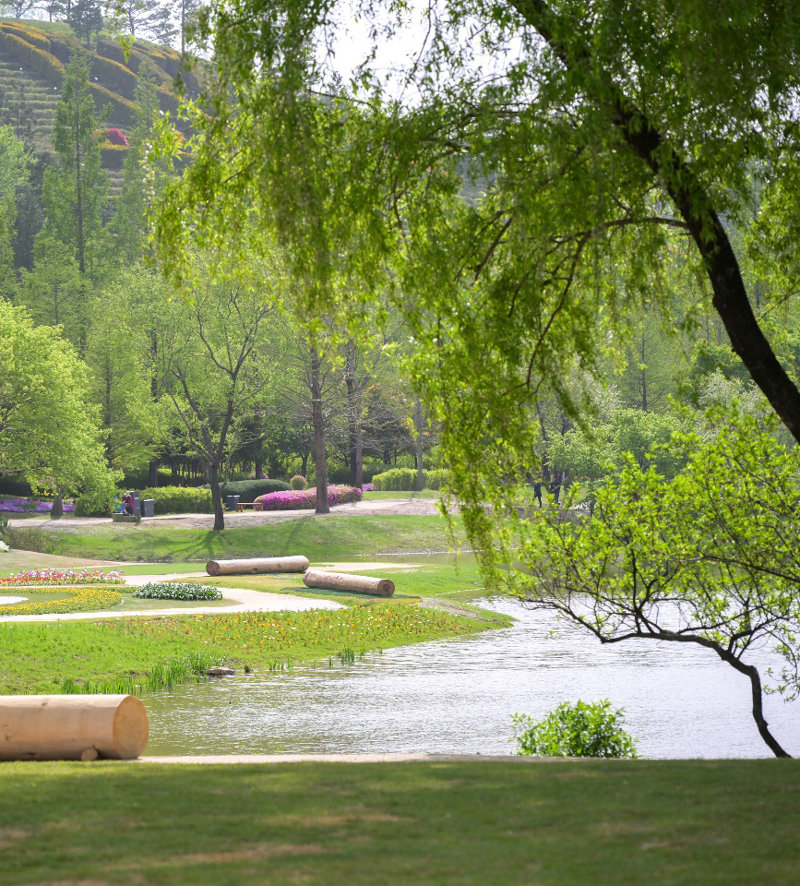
<point>514,822</point>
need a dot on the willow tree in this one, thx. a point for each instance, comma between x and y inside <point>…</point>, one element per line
<point>523,180</point>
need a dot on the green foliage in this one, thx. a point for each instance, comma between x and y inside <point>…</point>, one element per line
<point>48,430</point>
<point>583,729</point>
<point>179,499</point>
<point>177,591</point>
<point>405,479</point>
<point>249,490</point>
<point>707,557</point>
<point>298,482</point>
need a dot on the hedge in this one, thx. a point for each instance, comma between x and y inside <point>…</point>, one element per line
<point>179,499</point>
<point>249,490</point>
<point>405,479</point>
<point>42,63</point>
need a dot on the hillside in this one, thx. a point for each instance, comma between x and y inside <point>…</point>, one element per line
<point>33,60</point>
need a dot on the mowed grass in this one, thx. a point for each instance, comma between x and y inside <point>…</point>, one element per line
<point>40,657</point>
<point>318,538</point>
<point>591,823</point>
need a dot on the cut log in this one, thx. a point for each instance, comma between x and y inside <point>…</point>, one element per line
<point>72,727</point>
<point>343,581</point>
<point>257,566</point>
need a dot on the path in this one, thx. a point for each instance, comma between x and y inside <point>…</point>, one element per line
<point>245,519</point>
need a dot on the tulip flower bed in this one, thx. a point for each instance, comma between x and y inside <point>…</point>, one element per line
<point>78,600</point>
<point>170,590</point>
<point>31,506</point>
<point>296,499</point>
<point>59,577</point>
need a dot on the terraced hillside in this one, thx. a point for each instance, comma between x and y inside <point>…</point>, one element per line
<point>33,60</point>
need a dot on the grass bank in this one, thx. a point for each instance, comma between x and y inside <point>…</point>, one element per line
<point>318,538</point>
<point>42,657</point>
<point>515,822</point>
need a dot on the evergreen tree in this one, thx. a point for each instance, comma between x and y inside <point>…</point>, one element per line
<point>75,189</point>
<point>85,17</point>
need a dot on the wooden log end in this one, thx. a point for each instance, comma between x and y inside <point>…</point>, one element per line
<point>212,567</point>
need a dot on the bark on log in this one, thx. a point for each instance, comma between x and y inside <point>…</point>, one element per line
<point>72,727</point>
<point>344,581</point>
<point>257,566</point>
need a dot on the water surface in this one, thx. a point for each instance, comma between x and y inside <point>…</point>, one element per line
<point>457,696</point>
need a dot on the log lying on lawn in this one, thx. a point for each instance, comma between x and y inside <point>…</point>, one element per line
<point>343,581</point>
<point>257,566</point>
<point>72,727</point>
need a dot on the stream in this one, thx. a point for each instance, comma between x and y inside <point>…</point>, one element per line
<point>457,696</point>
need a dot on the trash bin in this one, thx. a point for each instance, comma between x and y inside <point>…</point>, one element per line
<point>137,502</point>
<point>148,507</point>
<point>231,501</point>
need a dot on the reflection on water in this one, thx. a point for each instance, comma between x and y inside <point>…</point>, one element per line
<point>457,696</point>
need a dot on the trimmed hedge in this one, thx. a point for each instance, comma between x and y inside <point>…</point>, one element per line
<point>405,479</point>
<point>180,499</point>
<point>43,63</point>
<point>249,490</point>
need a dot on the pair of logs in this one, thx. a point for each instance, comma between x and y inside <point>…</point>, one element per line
<point>313,578</point>
<point>72,727</point>
<point>257,566</point>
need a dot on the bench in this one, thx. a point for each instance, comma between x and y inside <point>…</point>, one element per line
<point>244,505</point>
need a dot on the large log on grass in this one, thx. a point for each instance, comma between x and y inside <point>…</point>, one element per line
<point>344,581</point>
<point>257,566</point>
<point>72,727</point>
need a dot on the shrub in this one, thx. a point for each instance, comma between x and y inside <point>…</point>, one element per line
<point>307,498</point>
<point>179,499</point>
<point>592,729</point>
<point>298,482</point>
<point>116,136</point>
<point>405,479</point>
<point>248,490</point>
<point>395,480</point>
<point>168,590</point>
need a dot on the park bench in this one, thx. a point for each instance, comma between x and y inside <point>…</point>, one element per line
<point>244,505</point>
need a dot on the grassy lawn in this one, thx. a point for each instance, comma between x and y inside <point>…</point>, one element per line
<point>40,657</point>
<point>514,822</point>
<point>318,538</point>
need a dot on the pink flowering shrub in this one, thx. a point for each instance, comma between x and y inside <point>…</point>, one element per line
<point>296,499</point>
<point>116,136</point>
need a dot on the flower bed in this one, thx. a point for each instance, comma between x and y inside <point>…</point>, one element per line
<point>296,499</point>
<point>79,600</point>
<point>53,576</point>
<point>168,590</point>
<point>31,506</point>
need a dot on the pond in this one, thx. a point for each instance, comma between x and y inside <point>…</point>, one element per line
<point>457,696</point>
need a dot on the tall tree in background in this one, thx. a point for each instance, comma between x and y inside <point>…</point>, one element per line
<point>85,17</point>
<point>76,187</point>
<point>14,162</point>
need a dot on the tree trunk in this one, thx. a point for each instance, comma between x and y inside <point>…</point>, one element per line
<point>57,511</point>
<point>695,205</point>
<point>216,496</point>
<point>418,444</point>
<point>318,423</point>
<point>152,473</point>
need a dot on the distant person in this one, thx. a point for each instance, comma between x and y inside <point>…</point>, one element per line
<point>127,504</point>
<point>556,483</point>
<point>537,491</point>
